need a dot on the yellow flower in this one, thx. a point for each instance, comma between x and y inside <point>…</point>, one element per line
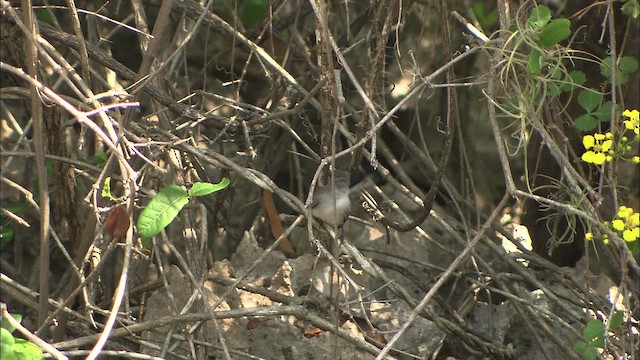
<point>598,148</point>
<point>624,211</point>
<point>588,236</point>
<point>631,235</point>
<point>618,224</point>
<point>633,123</point>
<point>627,224</point>
<point>636,159</point>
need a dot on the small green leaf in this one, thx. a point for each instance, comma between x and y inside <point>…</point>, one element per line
<point>540,16</point>
<point>593,329</point>
<point>576,77</point>
<point>553,90</point>
<point>590,353</point>
<point>606,67</point>
<point>205,188</point>
<point>616,320</point>
<point>556,73</point>
<point>586,122</point>
<point>589,99</point>
<point>598,342</point>
<point>604,112</point>
<point>106,189</point>
<point>534,65</point>
<point>622,78</point>
<point>579,347</point>
<point>628,64</point>
<point>554,32</point>
<point>162,209</point>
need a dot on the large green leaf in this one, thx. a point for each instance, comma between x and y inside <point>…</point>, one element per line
<point>593,329</point>
<point>7,343</point>
<point>576,77</point>
<point>616,320</point>
<point>26,350</point>
<point>628,64</point>
<point>586,122</point>
<point>554,32</point>
<point>604,112</point>
<point>589,99</point>
<point>162,209</point>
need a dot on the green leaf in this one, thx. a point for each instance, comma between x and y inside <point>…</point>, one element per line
<point>106,189</point>
<point>26,350</point>
<point>622,78</point>
<point>598,342</point>
<point>593,329</point>
<point>7,343</point>
<point>580,346</point>
<point>616,320</point>
<point>604,112</point>
<point>553,90</point>
<point>586,122</point>
<point>205,188</point>
<point>162,209</point>
<point>556,73</point>
<point>590,353</point>
<point>100,157</point>
<point>486,20</point>
<point>554,32</point>
<point>628,64</point>
<point>606,67</point>
<point>6,325</point>
<point>534,65</point>
<point>589,99</point>
<point>16,207</point>
<point>6,337</point>
<point>631,8</point>
<point>254,11</point>
<point>576,77</point>
<point>540,16</point>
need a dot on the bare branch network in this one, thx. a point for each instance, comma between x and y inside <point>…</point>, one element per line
<point>465,239</point>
